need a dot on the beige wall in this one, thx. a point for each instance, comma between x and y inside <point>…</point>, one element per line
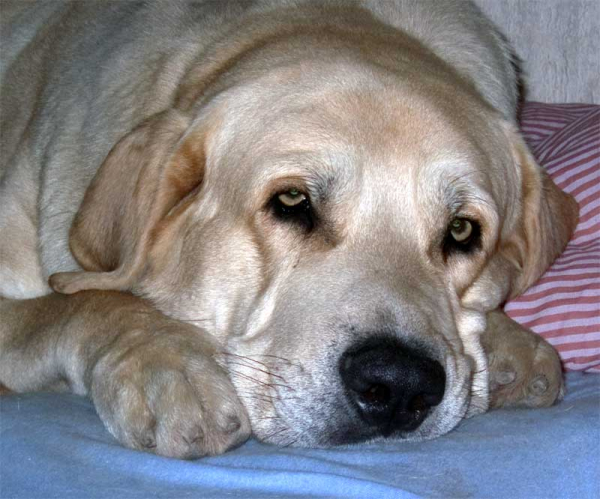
<point>559,43</point>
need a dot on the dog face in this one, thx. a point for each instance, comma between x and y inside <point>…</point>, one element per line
<point>343,240</point>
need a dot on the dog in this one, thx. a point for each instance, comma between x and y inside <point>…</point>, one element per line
<point>292,219</point>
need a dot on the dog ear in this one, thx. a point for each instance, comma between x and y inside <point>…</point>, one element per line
<point>535,234</point>
<point>146,174</point>
<point>547,221</point>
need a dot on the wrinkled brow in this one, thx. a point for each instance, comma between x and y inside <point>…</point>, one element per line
<point>323,173</point>
<point>464,189</point>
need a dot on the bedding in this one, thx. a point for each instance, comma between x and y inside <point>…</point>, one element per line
<point>564,305</point>
<point>55,445</point>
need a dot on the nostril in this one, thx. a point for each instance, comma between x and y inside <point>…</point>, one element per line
<point>424,401</point>
<point>417,404</point>
<point>376,395</point>
<point>433,399</point>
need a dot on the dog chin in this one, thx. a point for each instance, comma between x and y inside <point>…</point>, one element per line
<point>344,429</point>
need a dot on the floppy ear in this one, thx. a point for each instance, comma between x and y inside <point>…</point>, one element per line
<point>547,220</point>
<point>537,230</point>
<point>146,174</point>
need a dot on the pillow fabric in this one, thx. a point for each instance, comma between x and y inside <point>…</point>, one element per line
<point>564,305</point>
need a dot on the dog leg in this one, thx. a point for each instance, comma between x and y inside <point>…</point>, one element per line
<point>525,370</point>
<point>154,380</point>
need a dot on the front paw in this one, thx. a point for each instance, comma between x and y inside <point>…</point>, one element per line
<point>162,392</point>
<point>527,372</point>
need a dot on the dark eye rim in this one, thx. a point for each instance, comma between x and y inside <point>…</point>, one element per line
<point>301,214</point>
<point>451,246</point>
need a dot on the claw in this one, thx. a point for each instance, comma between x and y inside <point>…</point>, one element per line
<point>539,385</point>
<point>505,377</point>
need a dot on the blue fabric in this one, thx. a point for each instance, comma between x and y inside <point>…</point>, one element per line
<point>55,446</point>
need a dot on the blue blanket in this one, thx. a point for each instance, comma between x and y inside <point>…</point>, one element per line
<point>55,446</point>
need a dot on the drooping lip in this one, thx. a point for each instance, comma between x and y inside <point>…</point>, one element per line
<point>442,418</point>
<point>353,433</point>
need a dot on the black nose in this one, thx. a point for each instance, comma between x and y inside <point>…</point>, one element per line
<point>391,385</point>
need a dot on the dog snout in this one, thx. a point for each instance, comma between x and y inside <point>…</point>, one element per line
<point>391,386</point>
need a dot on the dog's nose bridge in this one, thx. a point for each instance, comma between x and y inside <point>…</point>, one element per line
<point>385,255</point>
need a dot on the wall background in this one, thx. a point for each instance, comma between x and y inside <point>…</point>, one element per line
<point>558,42</point>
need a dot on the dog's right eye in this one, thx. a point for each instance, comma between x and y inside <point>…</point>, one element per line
<point>293,206</point>
<point>463,236</point>
<point>291,198</point>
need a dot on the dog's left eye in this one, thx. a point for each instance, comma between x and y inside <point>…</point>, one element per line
<point>293,206</point>
<point>461,230</point>
<point>462,236</point>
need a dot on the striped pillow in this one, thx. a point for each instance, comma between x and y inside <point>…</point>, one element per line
<point>564,305</point>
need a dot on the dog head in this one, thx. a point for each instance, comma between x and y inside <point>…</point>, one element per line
<point>341,224</point>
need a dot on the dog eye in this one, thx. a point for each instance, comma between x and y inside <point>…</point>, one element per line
<point>293,206</point>
<point>291,198</point>
<point>462,236</point>
<point>461,230</point>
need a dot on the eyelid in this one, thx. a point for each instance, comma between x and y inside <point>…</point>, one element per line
<point>296,195</point>
<point>283,185</point>
<point>316,185</point>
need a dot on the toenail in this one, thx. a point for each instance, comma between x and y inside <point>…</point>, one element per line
<point>232,425</point>
<point>539,385</point>
<point>505,377</point>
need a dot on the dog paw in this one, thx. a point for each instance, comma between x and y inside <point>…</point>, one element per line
<point>160,392</point>
<point>525,373</point>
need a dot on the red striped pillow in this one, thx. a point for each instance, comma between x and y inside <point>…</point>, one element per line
<point>564,305</point>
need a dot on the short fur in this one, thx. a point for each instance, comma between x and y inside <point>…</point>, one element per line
<point>141,145</point>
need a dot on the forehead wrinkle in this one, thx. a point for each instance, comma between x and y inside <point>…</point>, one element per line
<point>453,182</point>
<point>324,172</point>
<point>454,187</point>
<point>380,213</point>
